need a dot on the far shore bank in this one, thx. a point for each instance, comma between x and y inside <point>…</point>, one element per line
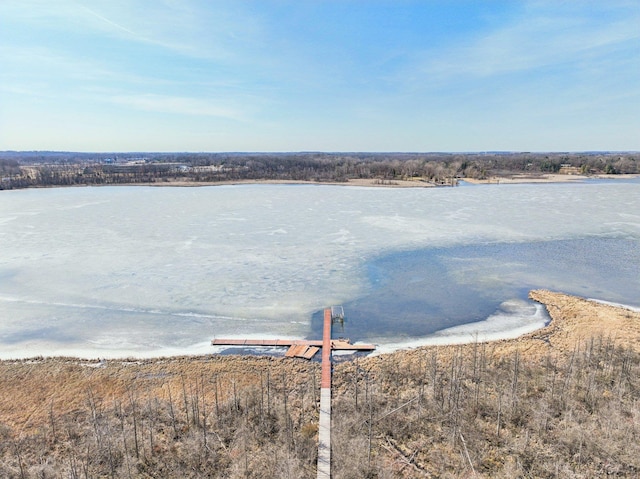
<point>421,183</point>
<point>546,178</point>
<point>415,183</point>
<point>376,182</point>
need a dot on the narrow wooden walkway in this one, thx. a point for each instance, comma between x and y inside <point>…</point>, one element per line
<point>324,428</point>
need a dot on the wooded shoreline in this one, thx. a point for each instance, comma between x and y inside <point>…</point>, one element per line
<point>46,169</point>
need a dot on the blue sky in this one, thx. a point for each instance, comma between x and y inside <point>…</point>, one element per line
<point>207,75</point>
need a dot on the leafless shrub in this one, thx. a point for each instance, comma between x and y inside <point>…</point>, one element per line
<point>457,412</point>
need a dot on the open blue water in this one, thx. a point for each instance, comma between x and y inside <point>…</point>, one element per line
<point>420,292</point>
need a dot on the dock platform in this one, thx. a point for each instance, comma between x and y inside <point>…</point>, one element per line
<point>299,348</point>
<point>307,349</point>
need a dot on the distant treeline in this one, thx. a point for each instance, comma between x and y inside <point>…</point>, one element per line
<point>29,169</point>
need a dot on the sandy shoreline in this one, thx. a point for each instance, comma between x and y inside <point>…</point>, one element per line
<point>379,183</point>
<point>546,178</point>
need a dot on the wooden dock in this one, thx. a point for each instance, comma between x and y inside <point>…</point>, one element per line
<point>302,351</point>
<point>307,349</point>
<point>324,426</point>
<point>299,348</point>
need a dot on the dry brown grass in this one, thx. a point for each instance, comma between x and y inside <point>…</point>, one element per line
<point>32,387</point>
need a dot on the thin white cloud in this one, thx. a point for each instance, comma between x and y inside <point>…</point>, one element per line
<point>541,38</point>
<point>208,30</point>
<point>107,21</point>
<point>177,105</point>
<point>216,30</point>
<point>40,71</point>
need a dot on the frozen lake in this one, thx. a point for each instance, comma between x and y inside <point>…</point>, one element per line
<point>147,271</point>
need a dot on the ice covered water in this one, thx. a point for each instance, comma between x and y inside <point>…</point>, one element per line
<point>142,271</point>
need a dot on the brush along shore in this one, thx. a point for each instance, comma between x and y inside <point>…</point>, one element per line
<point>559,402</point>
